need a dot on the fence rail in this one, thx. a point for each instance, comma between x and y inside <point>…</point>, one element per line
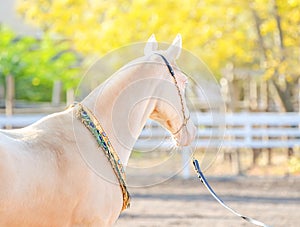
<point>19,121</point>
<point>251,130</point>
<point>236,130</point>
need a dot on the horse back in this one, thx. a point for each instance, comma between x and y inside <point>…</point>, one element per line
<point>46,182</point>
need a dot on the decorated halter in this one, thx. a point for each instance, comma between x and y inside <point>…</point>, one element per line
<point>185,119</point>
<point>93,125</point>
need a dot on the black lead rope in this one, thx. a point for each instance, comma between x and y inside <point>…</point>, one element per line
<point>204,181</point>
<point>201,175</point>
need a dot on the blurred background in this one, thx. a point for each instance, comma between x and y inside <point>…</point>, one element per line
<point>252,48</point>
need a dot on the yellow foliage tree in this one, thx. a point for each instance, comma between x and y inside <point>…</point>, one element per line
<point>253,34</point>
<point>213,30</point>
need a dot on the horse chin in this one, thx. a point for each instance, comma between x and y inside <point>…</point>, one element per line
<point>186,136</point>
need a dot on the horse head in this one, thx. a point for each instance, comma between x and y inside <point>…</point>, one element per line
<point>171,110</point>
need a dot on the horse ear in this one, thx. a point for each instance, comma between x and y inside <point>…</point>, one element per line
<point>151,45</point>
<point>174,50</point>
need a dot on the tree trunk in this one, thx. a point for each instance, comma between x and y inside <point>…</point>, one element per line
<point>283,90</point>
<point>285,96</point>
<point>279,40</point>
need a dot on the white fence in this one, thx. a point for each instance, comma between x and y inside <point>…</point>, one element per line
<point>236,130</point>
<point>19,121</point>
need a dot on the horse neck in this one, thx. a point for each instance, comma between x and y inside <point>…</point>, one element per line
<point>122,106</point>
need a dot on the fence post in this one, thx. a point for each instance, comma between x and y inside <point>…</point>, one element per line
<point>237,162</point>
<point>2,91</point>
<point>248,132</point>
<point>56,93</point>
<point>70,96</point>
<point>9,97</point>
<point>185,155</point>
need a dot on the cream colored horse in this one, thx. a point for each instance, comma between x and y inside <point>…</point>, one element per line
<point>51,172</point>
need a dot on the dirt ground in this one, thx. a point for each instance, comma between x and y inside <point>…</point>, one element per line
<point>177,202</point>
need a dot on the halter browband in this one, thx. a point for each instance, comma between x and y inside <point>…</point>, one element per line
<point>185,119</point>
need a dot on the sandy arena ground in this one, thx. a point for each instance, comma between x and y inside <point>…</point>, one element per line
<point>177,202</point>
